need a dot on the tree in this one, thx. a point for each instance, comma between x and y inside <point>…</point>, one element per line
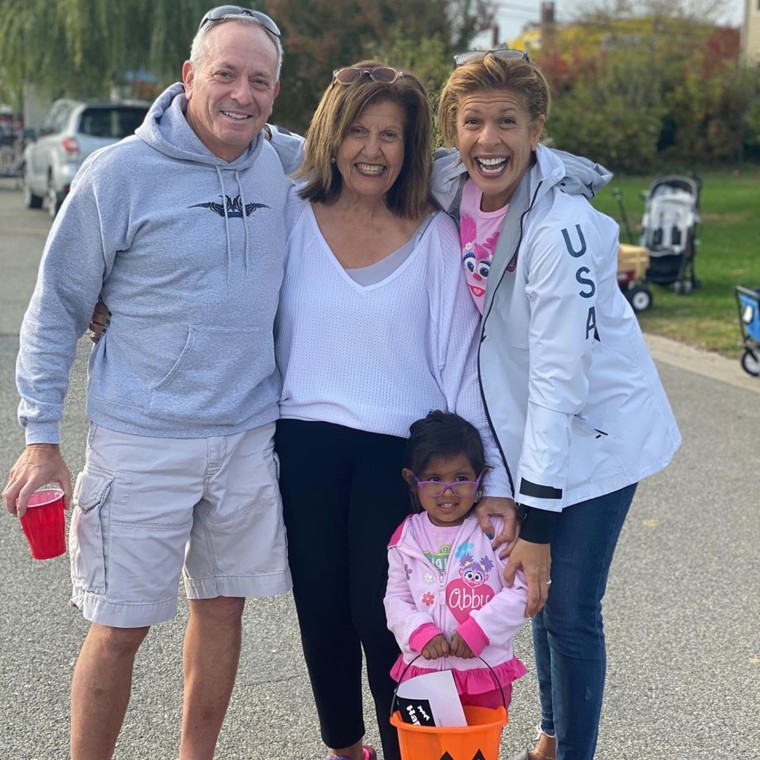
<point>321,35</point>
<point>751,91</point>
<point>613,114</point>
<point>709,11</point>
<point>83,47</point>
<point>638,91</point>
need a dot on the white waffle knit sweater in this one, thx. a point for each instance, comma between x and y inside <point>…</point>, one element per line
<point>378,357</point>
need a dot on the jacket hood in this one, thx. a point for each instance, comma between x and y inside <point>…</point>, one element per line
<point>576,175</point>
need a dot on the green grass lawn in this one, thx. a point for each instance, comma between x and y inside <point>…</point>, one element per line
<point>728,255</point>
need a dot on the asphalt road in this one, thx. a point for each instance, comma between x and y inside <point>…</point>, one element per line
<point>682,609</point>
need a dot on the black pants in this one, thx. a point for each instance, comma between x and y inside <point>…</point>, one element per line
<point>343,496</point>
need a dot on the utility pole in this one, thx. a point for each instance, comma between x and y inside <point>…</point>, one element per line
<point>548,26</point>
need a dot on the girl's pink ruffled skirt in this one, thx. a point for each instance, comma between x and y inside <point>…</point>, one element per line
<point>471,681</point>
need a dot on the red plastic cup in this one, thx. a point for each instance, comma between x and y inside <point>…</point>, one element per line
<point>44,523</point>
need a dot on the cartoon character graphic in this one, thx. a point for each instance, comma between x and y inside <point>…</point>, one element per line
<point>470,591</point>
<point>474,573</point>
<point>476,257</point>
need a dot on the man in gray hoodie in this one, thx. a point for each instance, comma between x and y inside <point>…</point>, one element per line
<point>169,227</point>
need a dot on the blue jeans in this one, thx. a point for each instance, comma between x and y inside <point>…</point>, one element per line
<point>568,634</point>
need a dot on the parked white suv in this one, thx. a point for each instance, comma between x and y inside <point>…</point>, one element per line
<point>71,131</point>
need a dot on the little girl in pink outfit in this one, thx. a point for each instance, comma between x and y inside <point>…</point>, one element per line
<point>446,599</point>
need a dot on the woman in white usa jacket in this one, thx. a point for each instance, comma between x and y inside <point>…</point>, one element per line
<point>571,392</point>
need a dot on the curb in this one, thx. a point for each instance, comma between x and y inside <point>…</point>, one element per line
<point>705,363</point>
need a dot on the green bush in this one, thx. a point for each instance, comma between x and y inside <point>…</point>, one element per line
<point>607,129</point>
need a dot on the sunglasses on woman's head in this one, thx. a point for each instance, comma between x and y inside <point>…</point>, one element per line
<point>503,54</point>
<point>351,74</point>
<point>230,11</point>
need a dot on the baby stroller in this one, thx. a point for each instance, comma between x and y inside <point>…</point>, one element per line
<point>748,302</point>
<point>669,231</point>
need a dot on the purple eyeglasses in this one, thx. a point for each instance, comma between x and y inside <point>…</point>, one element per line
<point>464,489</point>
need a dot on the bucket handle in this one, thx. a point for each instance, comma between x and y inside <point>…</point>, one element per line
<point>411,662</point>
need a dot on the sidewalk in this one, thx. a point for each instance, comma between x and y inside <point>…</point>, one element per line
<point>704,363</point>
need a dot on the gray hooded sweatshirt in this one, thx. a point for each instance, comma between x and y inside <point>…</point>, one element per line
<point>187,250</point>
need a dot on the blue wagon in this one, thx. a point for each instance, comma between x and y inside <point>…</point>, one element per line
<point>748,302</point>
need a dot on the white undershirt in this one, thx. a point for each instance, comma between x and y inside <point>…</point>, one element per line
<point>378,271</point>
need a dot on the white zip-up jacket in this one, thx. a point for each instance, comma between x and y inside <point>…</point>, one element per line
<point>570,389</point>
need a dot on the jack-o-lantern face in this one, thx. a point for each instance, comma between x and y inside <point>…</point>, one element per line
<point>477,756</point>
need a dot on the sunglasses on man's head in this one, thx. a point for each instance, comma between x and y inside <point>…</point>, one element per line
<point>351,74</point>
<point>230,11</point>
<point>503,54</point>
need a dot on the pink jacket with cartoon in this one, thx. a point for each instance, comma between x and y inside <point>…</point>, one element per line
<point>469,597</point>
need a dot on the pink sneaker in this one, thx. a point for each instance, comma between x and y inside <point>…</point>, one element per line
<point>368,753</point>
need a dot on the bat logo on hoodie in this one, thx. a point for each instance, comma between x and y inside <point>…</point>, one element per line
<point>234,207</point>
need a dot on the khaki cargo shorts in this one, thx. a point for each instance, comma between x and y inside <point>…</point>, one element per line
<point>149,509</point>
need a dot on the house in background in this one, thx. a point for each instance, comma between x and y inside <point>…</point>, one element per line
<point>750,45</point>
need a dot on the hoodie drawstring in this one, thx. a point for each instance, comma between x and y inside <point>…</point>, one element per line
<point>241,192</point>
<point>226,224</point>
<point>245,220</point>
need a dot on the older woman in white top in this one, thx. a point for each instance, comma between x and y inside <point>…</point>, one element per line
<point>375,329</point>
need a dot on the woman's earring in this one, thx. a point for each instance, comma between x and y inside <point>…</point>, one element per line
<point>332,160</point>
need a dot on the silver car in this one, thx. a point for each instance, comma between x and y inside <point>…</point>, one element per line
<point>71,131</point>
